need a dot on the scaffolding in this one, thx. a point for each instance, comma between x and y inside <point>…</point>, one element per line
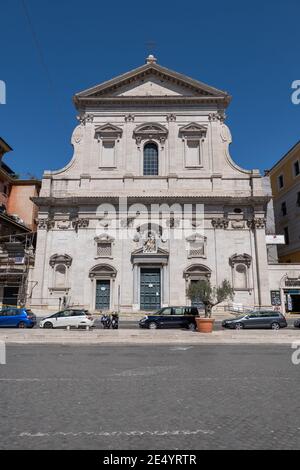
<point>16,259</point>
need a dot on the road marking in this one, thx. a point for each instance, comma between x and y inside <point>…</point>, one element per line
<point>144,371</point>
<point>136,372</point>
<point>118,433</point>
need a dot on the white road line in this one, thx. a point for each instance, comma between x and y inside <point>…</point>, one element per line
<point>118,433</point>
<point>130,373</point>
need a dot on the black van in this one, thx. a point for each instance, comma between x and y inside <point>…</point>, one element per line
<point>171,317</point>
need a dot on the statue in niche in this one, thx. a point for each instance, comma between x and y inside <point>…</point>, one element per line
<point>150,244</point>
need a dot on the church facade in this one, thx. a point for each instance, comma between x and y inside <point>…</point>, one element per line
<point>151,201</point>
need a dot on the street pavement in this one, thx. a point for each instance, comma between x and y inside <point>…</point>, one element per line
<point>149,397</point>
<point>129,333</point>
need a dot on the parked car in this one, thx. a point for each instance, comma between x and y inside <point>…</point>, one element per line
<point>14,317</point>
<point>262,319</point>
<point>297,323</point>
<point>171,317</point>
<point>75,318</point>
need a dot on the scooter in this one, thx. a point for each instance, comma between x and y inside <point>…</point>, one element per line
<point>115,321</point>
<point>106,321</point>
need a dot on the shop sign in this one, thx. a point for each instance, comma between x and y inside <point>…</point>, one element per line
<point>290,282</point>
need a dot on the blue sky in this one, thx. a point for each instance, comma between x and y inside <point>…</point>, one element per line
<point>250,49</point>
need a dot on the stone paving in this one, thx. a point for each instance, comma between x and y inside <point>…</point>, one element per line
<point>140,336</point>
<point>150,397</point>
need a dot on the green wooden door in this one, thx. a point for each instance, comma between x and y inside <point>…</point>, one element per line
<point>103,295</point>
<point>150,289</point>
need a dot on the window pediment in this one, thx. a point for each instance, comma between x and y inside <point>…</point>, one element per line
<point>60,259</point>
<point>150,130</point>
<point>104,238</point>
<point>243,258</point>
<point>193,129</point>
<point>103,270</point>
<point>108,131</point>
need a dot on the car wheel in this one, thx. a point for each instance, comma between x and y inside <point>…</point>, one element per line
<point>239,326</point>
<point>22,325</point>
<point>192,326</point>
<point>275,326</point>
<point>153,325</point>
<point>48,325</point>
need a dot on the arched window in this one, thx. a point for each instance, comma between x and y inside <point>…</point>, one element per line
<point>150,159</point>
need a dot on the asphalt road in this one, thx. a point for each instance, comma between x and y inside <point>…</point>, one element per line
<point>149,397</point>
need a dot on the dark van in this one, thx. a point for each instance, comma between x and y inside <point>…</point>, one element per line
<point>171,317</point>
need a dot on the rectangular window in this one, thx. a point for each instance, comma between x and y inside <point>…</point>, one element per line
<point>283,208</point>
<point>286,235</point>
<point>104,249</point>
<point>296,168</point>
<point>280,181</point>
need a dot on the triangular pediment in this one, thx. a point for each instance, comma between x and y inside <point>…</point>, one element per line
<point>151,128</point>
<point>140,251</point>
<point>193,128</point>
<point>150,80</point>
<point>108,129</point>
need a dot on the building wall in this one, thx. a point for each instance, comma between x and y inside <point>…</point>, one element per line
<point>288,194</point>
<point>19,202</point>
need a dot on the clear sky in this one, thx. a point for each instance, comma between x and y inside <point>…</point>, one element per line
<point>250,49</point>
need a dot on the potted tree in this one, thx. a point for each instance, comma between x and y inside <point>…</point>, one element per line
<point>210,296</point>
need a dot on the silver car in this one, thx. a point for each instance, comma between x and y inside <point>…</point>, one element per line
<point>262,319</point>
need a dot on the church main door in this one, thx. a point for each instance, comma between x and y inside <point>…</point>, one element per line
<point>150,289</point>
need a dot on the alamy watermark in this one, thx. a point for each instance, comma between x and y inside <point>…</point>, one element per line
<point>296,354</point>
<point>2,92</point>
<point>2,353</point>
<point>149,223</point>
<point>296,94</point>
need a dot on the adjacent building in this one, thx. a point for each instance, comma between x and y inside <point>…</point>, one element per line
<point>285,182</point>
<point>17,231</point>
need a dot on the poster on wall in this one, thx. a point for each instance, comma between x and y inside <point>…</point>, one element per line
<point>289,302</point>
<point>275,297</point>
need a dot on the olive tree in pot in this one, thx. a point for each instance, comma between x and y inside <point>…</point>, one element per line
<point>210,296</point>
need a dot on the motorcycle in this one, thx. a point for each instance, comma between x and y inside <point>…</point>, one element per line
<point>106,321</point>
<point>115,321</point>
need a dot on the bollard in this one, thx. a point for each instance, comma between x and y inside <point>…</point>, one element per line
<point>68,327</point>
<point>87,327</point>
<point>2,353</point>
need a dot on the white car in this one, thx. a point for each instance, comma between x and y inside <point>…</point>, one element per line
<point>74,318</point>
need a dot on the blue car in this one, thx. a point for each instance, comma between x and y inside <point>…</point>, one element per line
<point>14,317</point>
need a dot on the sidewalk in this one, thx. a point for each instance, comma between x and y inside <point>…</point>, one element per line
<point>144,337</point>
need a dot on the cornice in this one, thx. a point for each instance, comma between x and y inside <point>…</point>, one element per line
<point>217,198</point>
<point>152,100</point>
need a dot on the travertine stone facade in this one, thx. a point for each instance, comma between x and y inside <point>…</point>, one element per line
<point>150,137</point>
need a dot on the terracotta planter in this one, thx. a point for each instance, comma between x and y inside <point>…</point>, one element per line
<point>205,325</point>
